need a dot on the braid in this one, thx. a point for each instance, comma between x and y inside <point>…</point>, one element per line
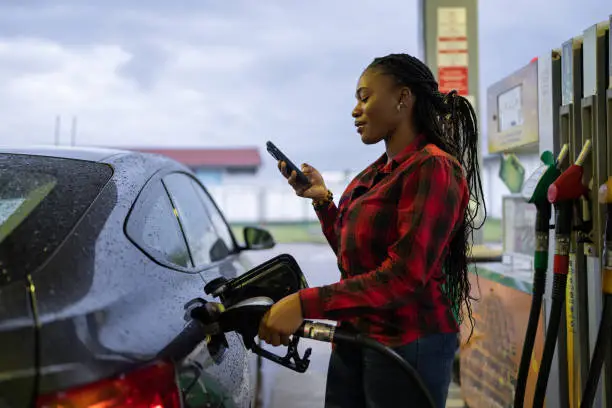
<point>449,122</point>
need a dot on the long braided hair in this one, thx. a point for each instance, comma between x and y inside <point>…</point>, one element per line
<point>449,122</point>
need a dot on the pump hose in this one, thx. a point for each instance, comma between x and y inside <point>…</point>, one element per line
<point>539,286</point>
<point>332,334</point>
<point>599,354</point>
<point>558,302</point>
<point>366,342</point>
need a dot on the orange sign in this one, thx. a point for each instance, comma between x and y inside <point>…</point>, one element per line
<point>450,78</point>
<point>490,360</point>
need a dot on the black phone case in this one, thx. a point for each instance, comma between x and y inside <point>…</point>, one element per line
<point>280,156</point>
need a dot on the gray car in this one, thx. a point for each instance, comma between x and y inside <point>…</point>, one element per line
<point>100,251</point>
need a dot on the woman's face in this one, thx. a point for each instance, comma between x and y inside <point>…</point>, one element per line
<point>376,114</point>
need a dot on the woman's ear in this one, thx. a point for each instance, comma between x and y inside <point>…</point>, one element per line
<point>406,97</point>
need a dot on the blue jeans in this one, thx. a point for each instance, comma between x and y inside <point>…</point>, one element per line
<point>363,378</point>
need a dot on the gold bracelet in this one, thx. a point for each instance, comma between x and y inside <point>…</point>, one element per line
<point>325,201</point>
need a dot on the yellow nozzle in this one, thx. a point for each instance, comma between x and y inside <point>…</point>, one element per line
<point>562,154</point>
<point>586,149</point>
<point>605,192</point>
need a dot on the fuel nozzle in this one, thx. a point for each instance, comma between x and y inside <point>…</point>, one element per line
<point>243,318</point>
<point>568,186</point>
<point>563,194</point>
<point>562,156</point>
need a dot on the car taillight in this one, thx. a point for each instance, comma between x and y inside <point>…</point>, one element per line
<point>153,386</point>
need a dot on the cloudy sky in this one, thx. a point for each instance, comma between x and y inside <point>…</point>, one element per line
<point>232,73</point>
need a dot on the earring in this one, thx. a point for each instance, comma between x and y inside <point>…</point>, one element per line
<point>399,106</point>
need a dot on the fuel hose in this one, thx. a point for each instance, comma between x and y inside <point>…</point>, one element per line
<point>602,346</point>
<point>563,194</point>
<point>535,191</point>
<point>604,337</point>
<point>561,268</point>
<point>244,318</point>
<point>332,334</point>
<point>539,286</point>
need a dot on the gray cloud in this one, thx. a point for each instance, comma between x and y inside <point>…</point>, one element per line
<point>232,73</point>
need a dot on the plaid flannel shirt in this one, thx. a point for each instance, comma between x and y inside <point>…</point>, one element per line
<point>390,232</point>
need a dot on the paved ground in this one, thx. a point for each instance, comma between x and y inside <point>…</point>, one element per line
<point>283,388</point>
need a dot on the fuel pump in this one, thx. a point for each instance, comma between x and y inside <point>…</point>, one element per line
<point>593,120</point>
<point>535,192</point>
<point>603,344</point>
<point>563,193</point>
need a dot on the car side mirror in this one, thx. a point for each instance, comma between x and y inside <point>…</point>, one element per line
<point>258,238</point>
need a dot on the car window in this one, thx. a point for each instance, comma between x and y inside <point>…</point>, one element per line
<point>155,228</point>
<point>20,193</point>
<point>217,218</point>
<point>205,244</point>
<point>41,201</point>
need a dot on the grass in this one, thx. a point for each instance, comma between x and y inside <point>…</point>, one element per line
<point>311,231</point>
<point>493,230</point>
<point>287,232</point>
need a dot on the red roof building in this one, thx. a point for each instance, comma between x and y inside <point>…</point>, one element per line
<point>213,165</point>
<point>239,158</point>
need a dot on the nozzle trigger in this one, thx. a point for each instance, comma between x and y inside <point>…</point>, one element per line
<point>291,360</point>
<point>244,318</point>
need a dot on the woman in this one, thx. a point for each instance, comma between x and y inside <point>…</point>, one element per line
<point>401,233</point>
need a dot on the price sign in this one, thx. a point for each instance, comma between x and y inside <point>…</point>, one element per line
<point>510,109</point>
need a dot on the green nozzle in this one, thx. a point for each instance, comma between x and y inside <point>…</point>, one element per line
<point>536,187</point>
<point>547,158</point>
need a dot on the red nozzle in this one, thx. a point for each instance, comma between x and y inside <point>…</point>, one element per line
<point>568,186</point>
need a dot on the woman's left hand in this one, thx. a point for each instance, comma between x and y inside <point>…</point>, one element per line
<point>281,321</point>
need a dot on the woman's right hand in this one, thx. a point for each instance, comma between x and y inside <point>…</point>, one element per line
<point>317,189</point>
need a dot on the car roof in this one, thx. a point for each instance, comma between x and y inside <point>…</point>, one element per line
<point>110,156</point>
<point>96,154</point>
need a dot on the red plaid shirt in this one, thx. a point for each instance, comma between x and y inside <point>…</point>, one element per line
<point>390,232</point>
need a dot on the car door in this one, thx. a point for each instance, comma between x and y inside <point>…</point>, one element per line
<point>224,377</point>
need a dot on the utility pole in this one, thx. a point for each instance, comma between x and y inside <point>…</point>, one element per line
<point>58,123</point>
<point>73,131</point>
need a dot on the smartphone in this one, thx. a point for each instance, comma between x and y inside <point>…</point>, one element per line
<point>280,156</point>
